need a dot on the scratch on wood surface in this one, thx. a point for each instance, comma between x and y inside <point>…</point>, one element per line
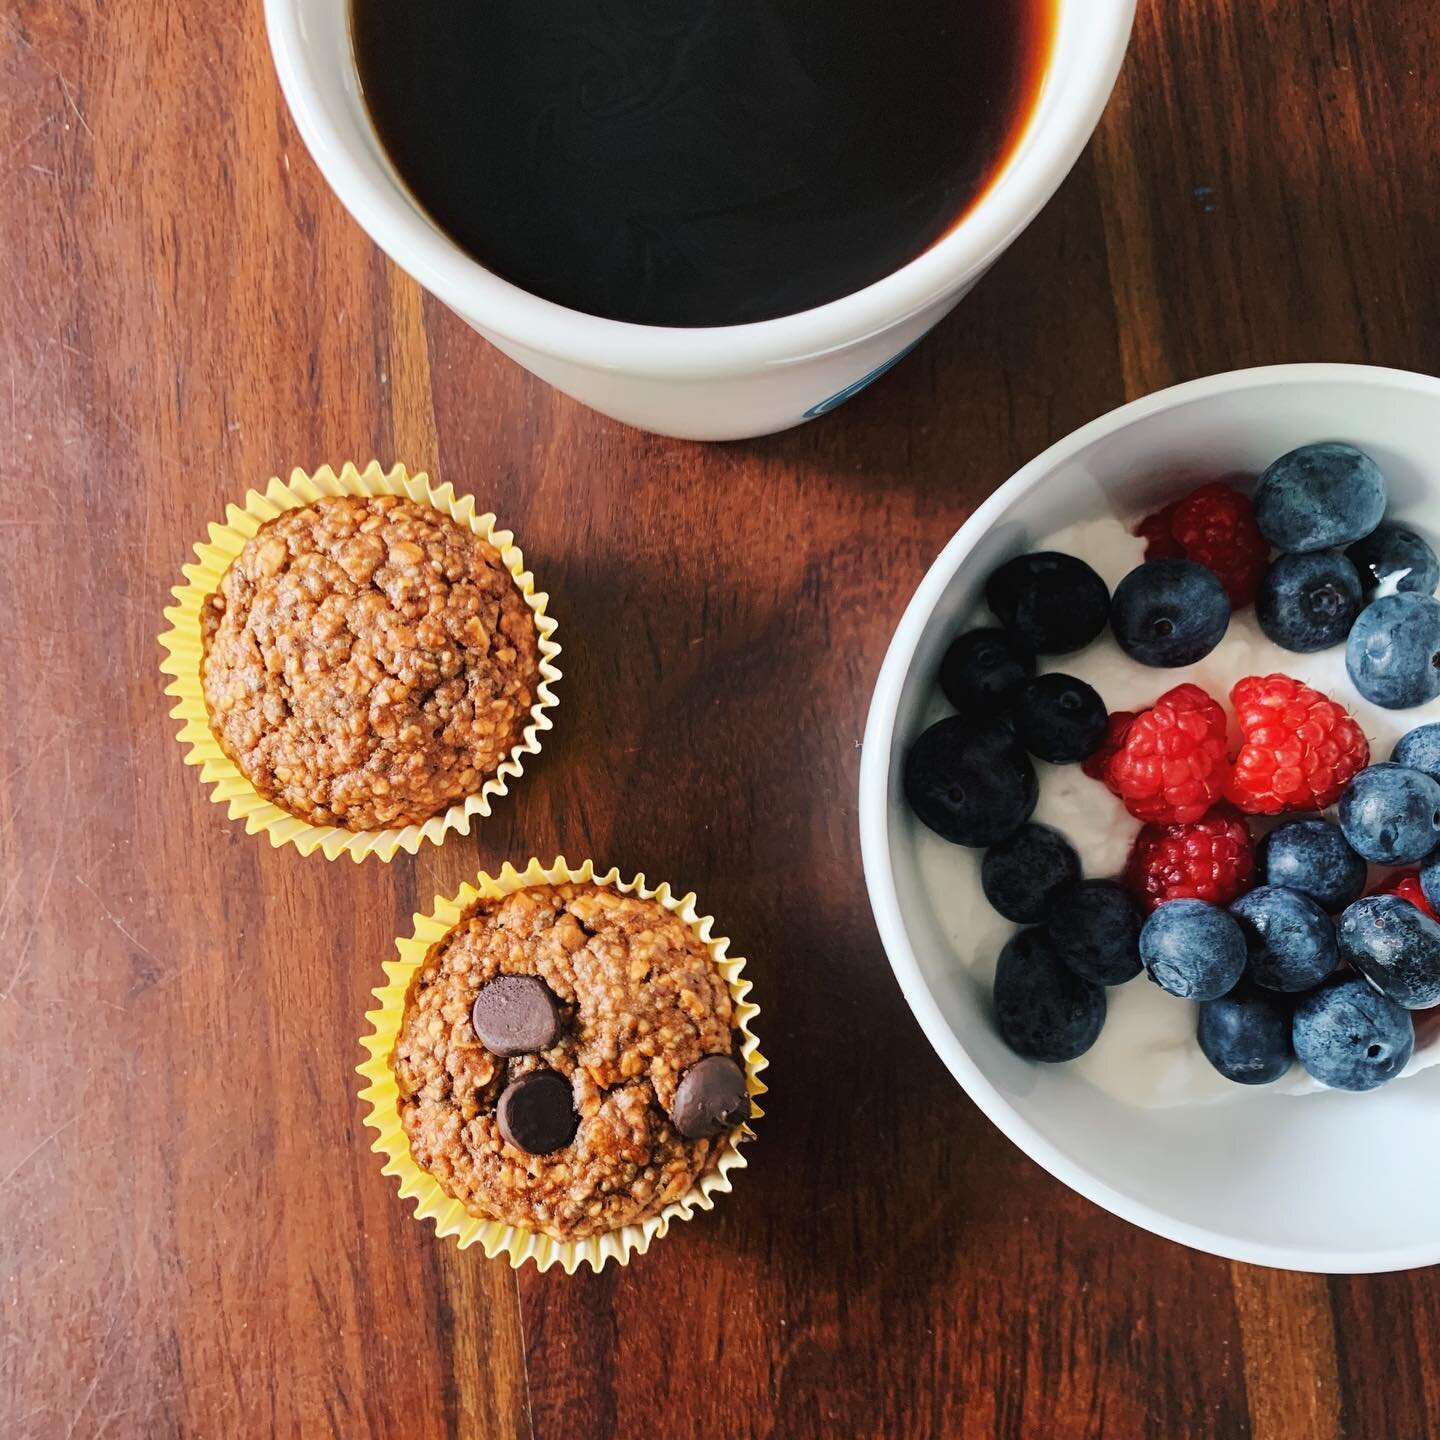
<point>61,732</point>
<point>102,1359</point>
<point>24,140</point>
<point>37,1147</point>
<point>70,100</point>
<point>115,920</point>
<point>5,903</point>
<point>25,946</point>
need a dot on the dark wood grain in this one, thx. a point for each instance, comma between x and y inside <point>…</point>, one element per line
<point>196,1241</point>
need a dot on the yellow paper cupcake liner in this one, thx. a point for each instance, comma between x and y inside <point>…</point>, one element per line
<point>382,1093</point>
<point>184,650</point>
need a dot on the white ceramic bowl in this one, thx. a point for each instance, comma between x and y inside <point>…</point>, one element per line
<point>1333,1183</point>
<point>727,381</point>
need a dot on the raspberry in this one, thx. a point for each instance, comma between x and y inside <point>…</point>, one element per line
<point>1211,859</point>
<point>1171,766</point>
<point>1160,541</point>
<point>1215,527</point>
<point>1300,749</point>
<point>1406,884</point>
<point>1116,726</point>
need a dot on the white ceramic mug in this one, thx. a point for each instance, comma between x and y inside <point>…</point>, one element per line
<point>718,383</point>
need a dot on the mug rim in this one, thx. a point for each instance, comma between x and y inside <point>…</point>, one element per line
<point>1026,182</point>
<point>878,859</point>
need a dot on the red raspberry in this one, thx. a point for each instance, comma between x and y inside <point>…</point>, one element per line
<point>1117,725</point>
<point>1215,527</point>
<point>1212,859</point>
<point>1160,541</point>
<point>1300,749</point>
<point>1172,766</point>
<point>1406,884</point>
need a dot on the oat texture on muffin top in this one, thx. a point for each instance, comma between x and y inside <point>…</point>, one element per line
<point>369,661</point>
<point>632,1095</point>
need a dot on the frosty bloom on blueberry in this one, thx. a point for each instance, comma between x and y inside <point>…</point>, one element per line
<point>1290,939</point>
<point>1396,947</point>
<point>1351,1038</point>
<point>1391,814</point>
<point>1193,950</point>
<point>1313,857</point>
<point>1245,1035</point>
<point>1393,653</point>
<point>1309,602</point>
<point>1420,749</point>
<point>1319,496</point>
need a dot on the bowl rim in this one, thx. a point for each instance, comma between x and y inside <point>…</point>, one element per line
<point>1033,170</point>
<point>877,856</point>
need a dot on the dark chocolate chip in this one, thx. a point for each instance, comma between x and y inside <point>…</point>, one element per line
<point>516,1015</point>
<point>536,1113</point>
<point>710,1098</point>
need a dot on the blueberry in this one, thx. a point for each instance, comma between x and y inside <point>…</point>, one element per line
<point>1391,814</point>
<point>1430,880</point>
<point>1308,602</point>
<point>1022,875</point>
<point>1094,927</point>
<point>1056,602</point>
<point>1313,857</point>
<point>1395,558</point>
<point>983,669</point>
<point>1393,654</point>
<point>1420,749</point>
<point>1245,1035</point>
<point>1350,1038</point>
<point>1043,1009</point>
<point>1396,947</point>
<point>1319,496</point>
<point>1193,950</point>
<point>1169,612</point>
<point>973,786</point>
<point>1289,937</point>
<point>1059,718</point>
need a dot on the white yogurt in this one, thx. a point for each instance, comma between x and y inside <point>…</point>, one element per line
<point>1147,1053</point>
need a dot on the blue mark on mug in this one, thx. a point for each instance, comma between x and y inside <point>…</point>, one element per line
<point>841,396</point>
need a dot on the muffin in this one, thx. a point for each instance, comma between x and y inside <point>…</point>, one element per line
<point>368,661</point>
<point>568,1059</point>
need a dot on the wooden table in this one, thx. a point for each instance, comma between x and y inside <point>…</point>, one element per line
<point>195,1240</point>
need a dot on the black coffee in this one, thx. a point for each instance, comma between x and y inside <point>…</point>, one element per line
<point>698,162</point>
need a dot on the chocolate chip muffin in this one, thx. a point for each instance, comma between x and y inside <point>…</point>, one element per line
<point>567,1060</point>
<point>368,662</point>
